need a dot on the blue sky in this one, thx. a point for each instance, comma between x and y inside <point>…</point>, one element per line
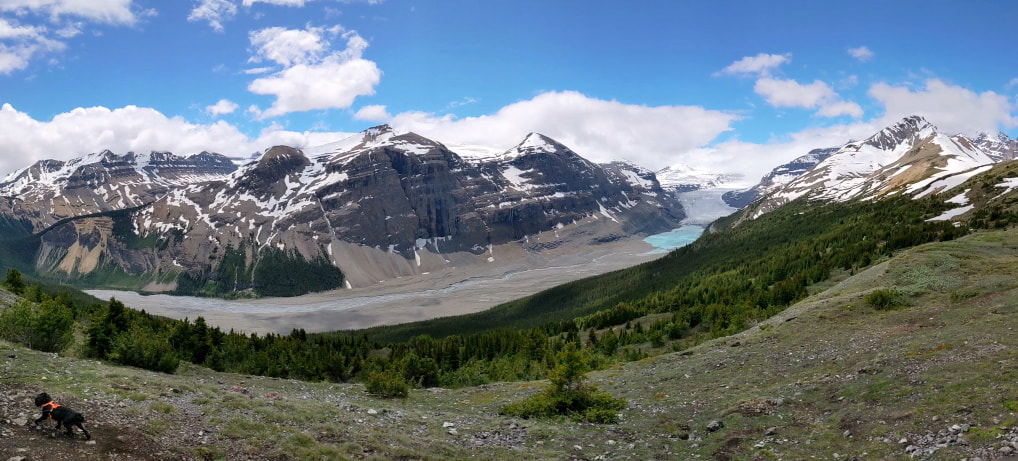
<point>733,86</point>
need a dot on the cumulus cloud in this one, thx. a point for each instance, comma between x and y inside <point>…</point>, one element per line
<point>790,93</point>
<point>313,75</point>
<point>287,47</point>
<point>862,53</point>
<point>599,130</point>
<point>223,107</point>
<point>81,131</point>
<point>214,12</point>
<point>952,108</point>
<point>374,113</point>
<point>761,64</point>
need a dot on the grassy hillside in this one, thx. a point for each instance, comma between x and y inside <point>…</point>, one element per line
<point>832,376</point>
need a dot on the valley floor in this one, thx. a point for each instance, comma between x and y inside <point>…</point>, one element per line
<point>455,291</point>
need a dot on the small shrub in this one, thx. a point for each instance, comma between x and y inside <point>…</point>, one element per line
<point>885,299</point>
<point>568,396</point>
<point>586,405</point>
<point>387,384</point>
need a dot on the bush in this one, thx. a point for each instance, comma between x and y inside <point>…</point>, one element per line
<point>568,395</point>
<point>14,282</point>
<point>885,299</point>
<point>141,348</point>
<point>47,326</point>
<point>387,384</point>
<point>587,404</point>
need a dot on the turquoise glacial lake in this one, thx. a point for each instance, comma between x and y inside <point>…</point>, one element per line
<point>674,238</point>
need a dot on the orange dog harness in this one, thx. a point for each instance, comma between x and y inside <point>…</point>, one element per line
<point>50,406</point>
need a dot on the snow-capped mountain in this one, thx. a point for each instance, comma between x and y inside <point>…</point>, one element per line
<point>378,205</point>
<point>683,178</point>
<point>51,190</point>
<point>778,177</point>
<point>1000,147</point>
<point>905,157</point>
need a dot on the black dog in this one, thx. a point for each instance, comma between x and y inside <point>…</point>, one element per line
<point>63,415</point>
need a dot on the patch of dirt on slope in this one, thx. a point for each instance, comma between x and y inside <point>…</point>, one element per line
<point>21,439</point>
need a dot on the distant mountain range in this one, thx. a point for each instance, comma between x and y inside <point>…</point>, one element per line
<point>385,204</point>
<point>378,205</point>
<point>906,157</point>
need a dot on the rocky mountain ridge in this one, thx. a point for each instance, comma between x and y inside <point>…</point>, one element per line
<point>905,157</point>
<point>51,190</point>
<point>378,205</point>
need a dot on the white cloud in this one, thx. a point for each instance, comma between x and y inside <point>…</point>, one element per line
<point>19,44</point>
<point>104,11</point>
<point>760,64</point>
<point>314,77</point>
<point>597,129</point>
<point>259,70</point>
<point>462,102</point>
<point>839,108</point>
<point>288,47</point>
<point>754,160</point>
<point>57,20</point>
<point>861,53</point>
<point>375,113</point>
<point>24,140</point>
<point>214,12</point>
<point>790,93</point>
<point>1013,83</point>
<point>297,3</point>
<point>952,108</point>
<point>224,106</point>
<point>301,3</point>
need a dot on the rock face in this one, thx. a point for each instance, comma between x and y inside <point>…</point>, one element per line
<point>381,204</point>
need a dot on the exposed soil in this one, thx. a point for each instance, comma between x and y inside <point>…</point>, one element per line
<point>111,439</point>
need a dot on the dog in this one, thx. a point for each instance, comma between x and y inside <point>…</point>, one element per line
<point>63,415</point>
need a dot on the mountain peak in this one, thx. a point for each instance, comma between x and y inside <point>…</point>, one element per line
<point>904,133</point>
<point>374,132</point>
<point>537,142</point>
